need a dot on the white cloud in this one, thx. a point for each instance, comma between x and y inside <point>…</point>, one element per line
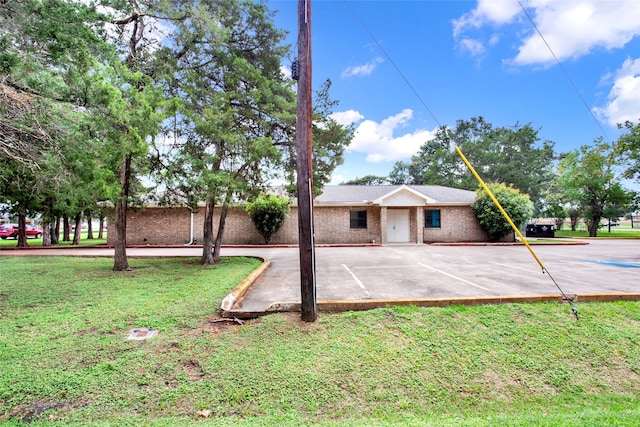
<point>572,28</point>
<point>575,28</point>
<point>472,46</point>
<point>624,97</point>
<point>361,70</point>
<point>488,11</point>
<point>286,71</point>
<point>380,143</point>
<point>347,118</point>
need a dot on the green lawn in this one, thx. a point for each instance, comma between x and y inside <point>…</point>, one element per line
<point>623,231</point>
<point>8,243</point>
<point>64,356</point>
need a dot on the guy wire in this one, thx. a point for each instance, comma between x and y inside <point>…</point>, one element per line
<point>415,92</point>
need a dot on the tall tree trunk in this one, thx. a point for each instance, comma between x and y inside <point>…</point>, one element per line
<point>66,229</point>
<point>100,226</point>
<point>22,222</point>
<point>221,223</point>
<point>89,226</point>
<point>593,226</point>
<point>207,238</point>
<point>207,241</point>
<point>55,231</point>
<point>596,216</point>
<point>46,226</point>
<point>78,229</point>
<point>46,233</point>
<point>120,261</point>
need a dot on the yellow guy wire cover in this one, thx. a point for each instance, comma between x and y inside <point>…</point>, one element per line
<point>497,203</point>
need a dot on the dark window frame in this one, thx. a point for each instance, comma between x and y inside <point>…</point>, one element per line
<point>429,218</point>
<point>358,219</point>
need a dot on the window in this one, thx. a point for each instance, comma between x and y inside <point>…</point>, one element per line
<point>358,219</point>
<point>432,218</point>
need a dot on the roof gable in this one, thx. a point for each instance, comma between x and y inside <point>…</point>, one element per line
<point>394,195</point>
<point>403,196</point>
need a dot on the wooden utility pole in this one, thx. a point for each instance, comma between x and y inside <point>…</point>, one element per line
<point>304,116</point>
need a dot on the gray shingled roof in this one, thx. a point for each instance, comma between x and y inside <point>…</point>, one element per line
<point>368,193</point>
<point>362,194</point>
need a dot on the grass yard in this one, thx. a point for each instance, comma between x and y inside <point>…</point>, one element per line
<point>622,231</point>
<point>12,243</point>
<point>64,356</point>
<point>616,233</point>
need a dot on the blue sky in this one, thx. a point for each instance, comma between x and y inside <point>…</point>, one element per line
<point>471,58</point>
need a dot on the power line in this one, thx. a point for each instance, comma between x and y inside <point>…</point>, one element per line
<point>406,80</point>
<point>564,71</point>
<point>384,52</point>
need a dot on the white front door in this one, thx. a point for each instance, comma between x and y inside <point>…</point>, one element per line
<point>398,225</point>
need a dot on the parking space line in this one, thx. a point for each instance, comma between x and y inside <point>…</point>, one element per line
<point>454,277</point>
<point>366,292</point>
<point>383,267</point>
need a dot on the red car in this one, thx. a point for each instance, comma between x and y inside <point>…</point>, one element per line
<point>11,230</point>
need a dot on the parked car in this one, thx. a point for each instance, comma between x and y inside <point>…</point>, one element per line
<point>11,230</point>
<point>612,224</point>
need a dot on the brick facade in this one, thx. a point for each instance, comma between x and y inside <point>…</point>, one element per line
<point>332,225</point>
<point>457,224</point>
<point>172,226</point>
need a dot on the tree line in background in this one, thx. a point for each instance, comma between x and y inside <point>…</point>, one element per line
<point>119,102</point>
<point>106,102</point>
<point>585,183</point>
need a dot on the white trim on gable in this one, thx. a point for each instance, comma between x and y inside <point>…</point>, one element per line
<point>404,196</point>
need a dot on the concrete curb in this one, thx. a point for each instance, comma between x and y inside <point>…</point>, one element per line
<point>239,291</point>
<point>532,243</point>
<point>338,306</point>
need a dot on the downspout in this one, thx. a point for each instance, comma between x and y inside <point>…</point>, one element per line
<point>191,242</point>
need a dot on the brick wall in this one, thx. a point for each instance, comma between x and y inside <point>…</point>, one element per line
<point>457,224</point>
<point>332,225</point>
<point>153,226</point>
<point>171,226</point>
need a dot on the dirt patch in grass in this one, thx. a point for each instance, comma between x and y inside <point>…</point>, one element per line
<point>88,331</point>
<point>293,318</point>
<point>192,368</point>
<point>216,323</point>
<point>501,386</point>
<point>31,412</point>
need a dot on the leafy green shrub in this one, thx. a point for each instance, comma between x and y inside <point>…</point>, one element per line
<point>517,205</point>
<point>268,212</point>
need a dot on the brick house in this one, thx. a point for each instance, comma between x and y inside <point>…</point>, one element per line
<point>343,214</point>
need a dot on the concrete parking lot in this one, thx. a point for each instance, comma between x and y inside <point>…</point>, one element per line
<point>430,272</point>
<point>365,277</point>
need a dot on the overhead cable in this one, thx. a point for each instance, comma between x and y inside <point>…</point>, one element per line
<point>564,71</point>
